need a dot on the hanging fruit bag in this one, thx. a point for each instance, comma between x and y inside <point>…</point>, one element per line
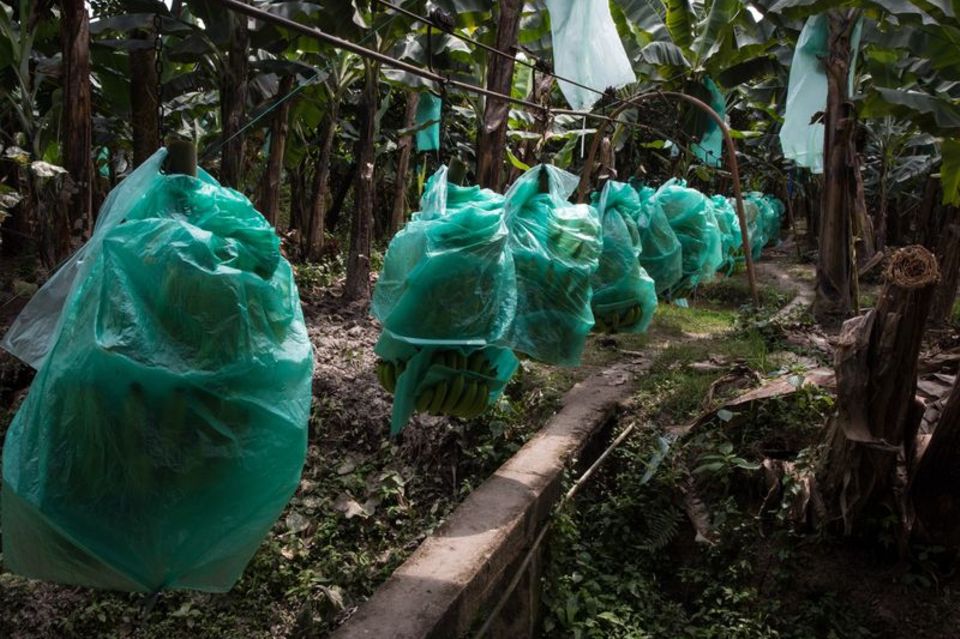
<point>624,296</point>
<point>446,297</point>
<point>556,249</point>
<point>166,427</point>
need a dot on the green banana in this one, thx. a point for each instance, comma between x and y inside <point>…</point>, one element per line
<point>423,402</point>
<point>476,361</point>
<point>614,321</point>
<point>379,370</point>
<point>439,394</point>
<point>453,395</point>
<point>480,402</point>
<point>467,399</point>
<point>599,324</point>
<point>390,376</point>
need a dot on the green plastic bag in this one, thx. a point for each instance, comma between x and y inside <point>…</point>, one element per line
<point>424,373</point>
<point>429,109</point>
<point>447,283</point>
<point>556,249</point>
<point>624,296</point>
<point>661,255</point>
<point>709,149</point>
<point>768,218</point>
<point>448,276</point>
<point>756,228</point>
<point>587,49</point>
<point>691,216</point>
<point>774,217</point>
<point>731,239</point>
<point>801,135</point>
<point>167,425</point>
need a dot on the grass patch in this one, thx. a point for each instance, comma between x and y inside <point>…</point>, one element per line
<point>699,320</point>
<point>735,291</point>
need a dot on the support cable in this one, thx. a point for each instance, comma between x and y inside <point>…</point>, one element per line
<point>214,149</point>
<point>382,58</point>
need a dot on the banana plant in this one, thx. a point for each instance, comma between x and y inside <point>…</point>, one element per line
<point>911,60</point>
<point>28,69</point>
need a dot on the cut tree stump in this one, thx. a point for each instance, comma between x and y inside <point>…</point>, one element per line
<point>876,366</point>
<point>935,488</point>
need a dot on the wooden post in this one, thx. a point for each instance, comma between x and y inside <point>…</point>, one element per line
<point>233,101</point>
<point>357,284</point>
<point>317,219</point>
<point>144,100</point>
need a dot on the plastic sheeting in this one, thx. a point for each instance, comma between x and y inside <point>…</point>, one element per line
<point>730,236</point>
<point>756,226</point>
<point>709,149</point>
<point>167,425</point>
<point>448,282</point>
<point>773,218</point>
<point>624,296</point>
<point>661,255</point>
<point>802,141</point>
<point>587,49</point>
<point>556,248</point>
<point>691,215</point>
<point>429,109</point>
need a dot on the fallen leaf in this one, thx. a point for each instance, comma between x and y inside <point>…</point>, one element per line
<point>348,506</point>
<point>296,522</point>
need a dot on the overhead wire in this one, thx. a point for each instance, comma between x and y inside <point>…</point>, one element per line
<point>347,45</point>
<point>539,67</point>
<point>441,80</point>
<point>316,77</point>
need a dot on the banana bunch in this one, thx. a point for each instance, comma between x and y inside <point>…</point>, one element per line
<point>563,281</point>
<point>463,395</point>
<point>617,319</point>
<point>569,244</point>
<point>574,235</point>
<point>388,372</point>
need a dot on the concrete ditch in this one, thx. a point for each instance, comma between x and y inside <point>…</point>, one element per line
<point>459,572</point>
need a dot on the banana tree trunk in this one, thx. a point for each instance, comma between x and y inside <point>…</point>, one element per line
<point>143,100</point>
<point>539,93</point>
<point>399,212</point>
<point>77,113</point>
<point>340,196</point>
<point>357,286</point>
<point>270,183</point>
<point>836,290</point>
<point>492,137</point>
<point>877,413</point>
<point>948,253</point>
<point>299,219</point>
<point>233,101</point>
<point>882,207</point>
<point>321,183</point>
<point>935,488</point>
